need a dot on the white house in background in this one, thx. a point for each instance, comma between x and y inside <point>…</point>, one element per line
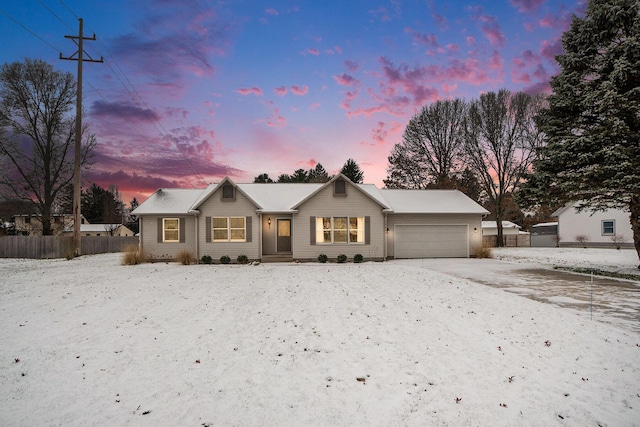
<point>101,230</point>
<point>588,228</point>
<point>490,228</point>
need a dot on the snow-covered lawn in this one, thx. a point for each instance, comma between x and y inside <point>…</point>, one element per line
<point>92,342</point>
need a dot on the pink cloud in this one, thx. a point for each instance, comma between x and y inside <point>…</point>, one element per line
<point>272,11</point>
<point>299,90</point>
<point>351,65</point>
<point>314,106</point>
<point>452,47</point>
<point>337,49</point>
<point>250,91</point>
<point>346,80</point>
<point>471,40</point>
<point>424,39</point>
<point>526,5</point>
<point>490,28</point>
<point>549,49</point>
<point>280,91</point>
<point>313,51</point>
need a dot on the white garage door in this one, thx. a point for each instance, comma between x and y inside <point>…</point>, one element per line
<point>431,241</point>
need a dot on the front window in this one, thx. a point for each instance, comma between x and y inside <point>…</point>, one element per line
<point>608,228</point>
<point>170,230</point>
<point>340,229</point>
<point>229,229</point>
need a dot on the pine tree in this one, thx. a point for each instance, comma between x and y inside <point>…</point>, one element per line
<point>352,171</point>
<point>592,123</point>
<point>318,174</point>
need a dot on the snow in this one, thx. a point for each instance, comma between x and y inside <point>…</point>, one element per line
<point>93,342</point>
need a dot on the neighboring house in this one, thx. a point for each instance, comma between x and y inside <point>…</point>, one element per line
<point>586,228</point>
<point>544,235</point>
<point>101,230</point>
<point>32,224</point>
<point>490,228</point>
<point>302,221</point>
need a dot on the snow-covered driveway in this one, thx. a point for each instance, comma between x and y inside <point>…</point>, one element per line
<point>529,272</point>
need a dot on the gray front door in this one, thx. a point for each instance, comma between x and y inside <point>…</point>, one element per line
<point>284,235</point>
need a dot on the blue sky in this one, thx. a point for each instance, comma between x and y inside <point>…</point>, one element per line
<point>192,91</point>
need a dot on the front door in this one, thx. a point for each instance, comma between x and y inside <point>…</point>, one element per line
<point>284,235</point>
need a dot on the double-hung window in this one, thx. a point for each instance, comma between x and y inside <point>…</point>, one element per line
<point>229,229</point>
<point>340,229</point>
<point>170,230</point>
<point>608,227</point>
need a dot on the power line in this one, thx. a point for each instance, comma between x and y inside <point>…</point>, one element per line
<point>54,14</point>
<point>69,9</point>
<point>32,33</point>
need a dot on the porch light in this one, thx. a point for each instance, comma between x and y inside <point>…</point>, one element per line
<point>269,222</point>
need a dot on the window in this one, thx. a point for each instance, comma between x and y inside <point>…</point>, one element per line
<point>608,227</point>
<point>340,230</point>
<point>27,220</point>
<point>339,187</point>
<point>228,192</point>
<point>229,229</point>
<point>170,230</point>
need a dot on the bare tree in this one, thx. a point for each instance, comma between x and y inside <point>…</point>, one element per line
<point>431,149</point>
<point>37,134</point>
<point>500,144</point>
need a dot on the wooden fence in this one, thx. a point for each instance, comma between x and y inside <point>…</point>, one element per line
<point>38,247</point>
<point>510,240</point>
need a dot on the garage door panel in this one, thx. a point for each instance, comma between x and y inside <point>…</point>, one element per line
<point>431,241</point>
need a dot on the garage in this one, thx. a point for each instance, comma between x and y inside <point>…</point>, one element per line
<point>431,241</point>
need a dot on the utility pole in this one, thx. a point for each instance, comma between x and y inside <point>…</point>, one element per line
<point>78,56</point>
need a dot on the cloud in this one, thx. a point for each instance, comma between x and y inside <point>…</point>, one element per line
<point>429,40</point>
<point>250,91</point>
<point>351,65</point>
<point>490,28</point>
<point>526,5</point>
<point>124,110</point>
<point>299,90</point>
<point>549,49</point>
<point>345,79</point>
<point>272,11</point>
<point>313,51</point>
<point>280,91</point>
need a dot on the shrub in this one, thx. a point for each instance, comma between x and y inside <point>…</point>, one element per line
<point>483,252</point>
<point>342,258</point>
<point>184,257</point>
<point>242,259</point>
<point>133,255</point>
<point>323,258</point>
<point>224,259</point>
<point>582,239</point>
<point>357,258</point>
<point>618,240</point>
<point>206,259</point>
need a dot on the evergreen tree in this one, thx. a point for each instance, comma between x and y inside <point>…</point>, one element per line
<point>284,178</point>
<point>592,123</point>
<point>352,171</point>
<point>299,175</point>
<point>100,206</point>
<point>318,174</point>
<point>262,178</point>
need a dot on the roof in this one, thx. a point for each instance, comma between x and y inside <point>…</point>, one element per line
<point>169,201</point>
<point>431,201</point>
<point>95,228</point>
<point>545,224</point>
<point>287,197</point>
<point>494,224</point>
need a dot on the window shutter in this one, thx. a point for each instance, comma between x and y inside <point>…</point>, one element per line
<point>208,230</point>
<point>312,227</point>
<point>182,230</point>
<point>160,230</point>
<point>249,229</point>
<point>367,230</point>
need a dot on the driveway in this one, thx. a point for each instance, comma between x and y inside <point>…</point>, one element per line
<point>600,298</point>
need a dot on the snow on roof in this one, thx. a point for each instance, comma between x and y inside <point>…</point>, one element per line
<point>93,228</point>
<point>278,197</point>
<point>431,201</point>
<point>494,224</point>
<point>545,224</point>
<point>169,201</point>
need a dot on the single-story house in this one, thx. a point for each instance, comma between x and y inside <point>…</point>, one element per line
<point>490,228</point>
<point>597,229</point>
<point>544,235</point>
<point>32,224</point>
<point>101,230</point>
<point>301,221</point>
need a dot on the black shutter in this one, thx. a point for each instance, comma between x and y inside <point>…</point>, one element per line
<point>160,230</point>
<point>208,230</point>
<point>312,227</point>
<point>249,229</point>
<point>367,230</point>
<point>181,230</point>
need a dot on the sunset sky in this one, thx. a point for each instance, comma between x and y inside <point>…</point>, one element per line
<point>193,91</point>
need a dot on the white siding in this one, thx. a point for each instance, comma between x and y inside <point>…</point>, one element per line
<point>572,224</point>
<point>325,204</point>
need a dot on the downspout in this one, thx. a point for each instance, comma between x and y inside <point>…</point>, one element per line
<point>196,214</point>
<point>260,236</point>
<point>386,236</point>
